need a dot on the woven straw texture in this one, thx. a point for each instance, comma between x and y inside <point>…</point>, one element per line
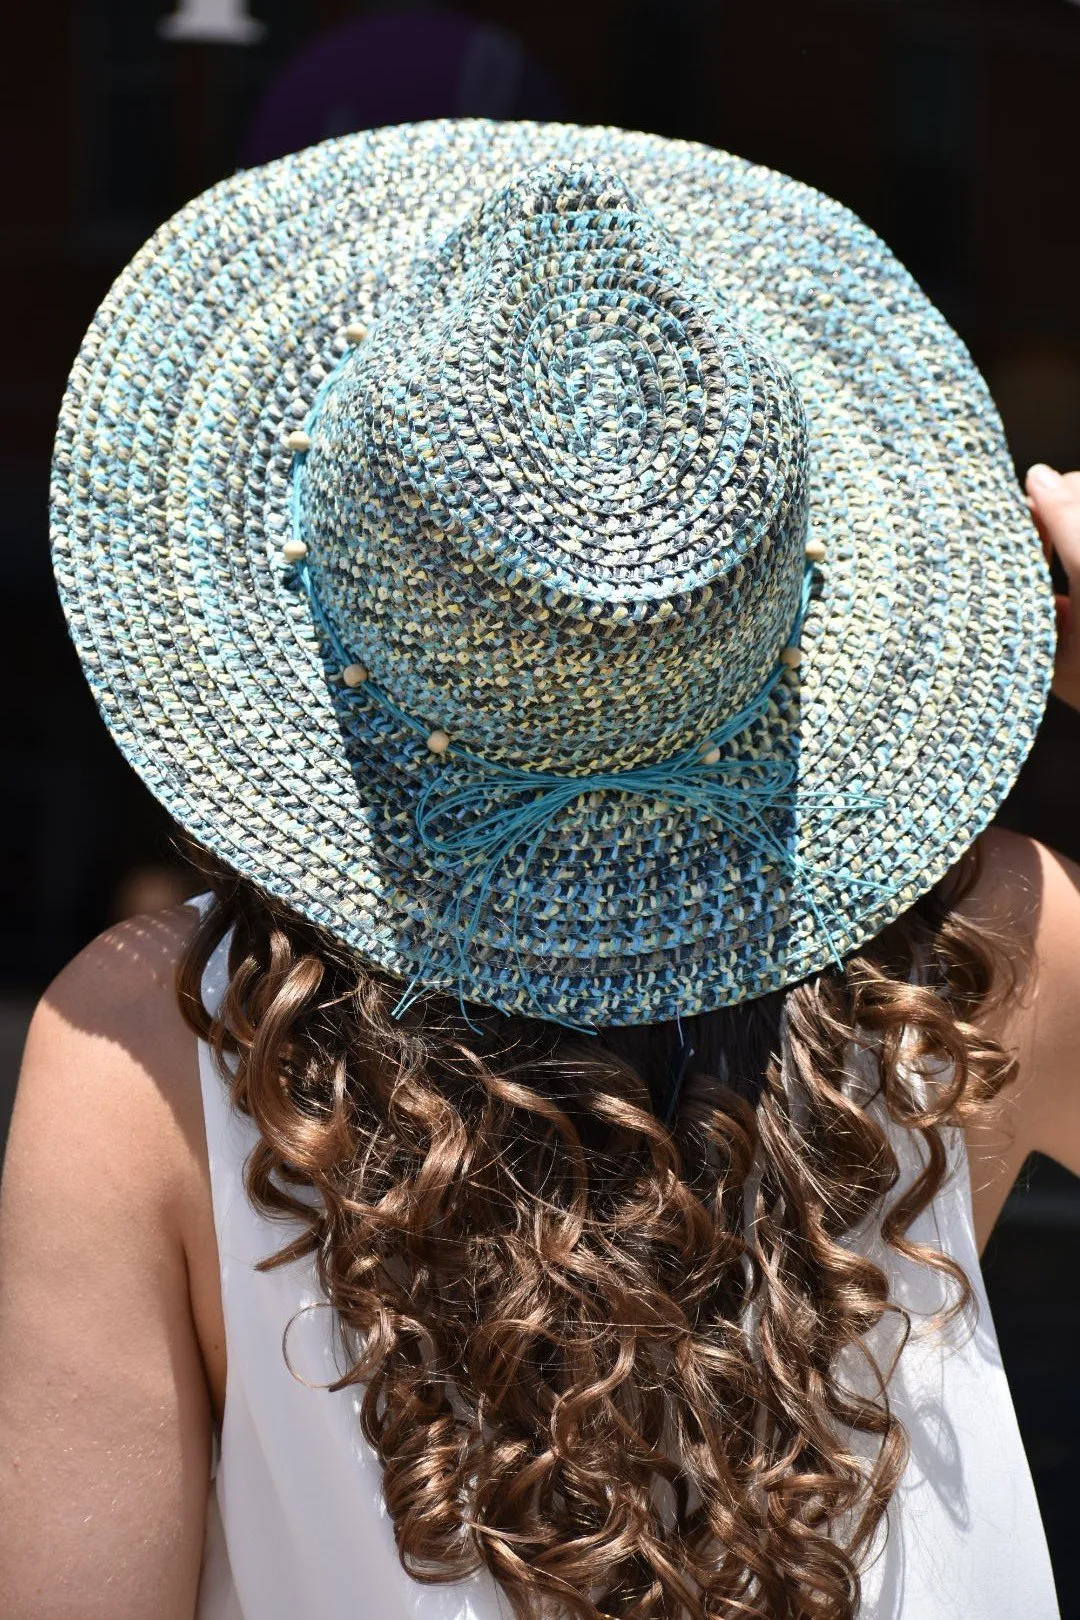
<point>576,400</point>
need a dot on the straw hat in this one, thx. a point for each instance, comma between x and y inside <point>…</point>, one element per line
<point>578,569</point>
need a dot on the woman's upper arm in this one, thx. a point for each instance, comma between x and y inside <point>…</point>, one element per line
<point>104,1415</point>
<point>1048,1018</point>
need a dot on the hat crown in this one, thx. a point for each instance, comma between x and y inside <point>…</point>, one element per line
<point>556,499</point>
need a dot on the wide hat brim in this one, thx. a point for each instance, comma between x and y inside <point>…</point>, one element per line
<point>926,653</point>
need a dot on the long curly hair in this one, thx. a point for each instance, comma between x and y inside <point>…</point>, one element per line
<point>599,1350</point>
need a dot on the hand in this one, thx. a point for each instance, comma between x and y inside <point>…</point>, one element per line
<point>1054,499</point>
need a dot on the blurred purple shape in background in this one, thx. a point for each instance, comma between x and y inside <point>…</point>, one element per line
<point>394,67</point>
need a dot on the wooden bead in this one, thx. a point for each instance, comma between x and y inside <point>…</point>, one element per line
<point>710,754</point>
<point>354,674</point>
<point>438,742</point>
<point>815,551</point>
<point>355,332</point>
<point>294,551</point>
<point>792,657</point>
<point>297,440</point>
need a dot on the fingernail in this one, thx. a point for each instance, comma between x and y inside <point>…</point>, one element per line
<point>1042,477</point>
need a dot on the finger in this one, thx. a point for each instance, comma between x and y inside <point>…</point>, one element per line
<point>1047,543</point>
<point>1057,510</point>
<point>1040,481</point>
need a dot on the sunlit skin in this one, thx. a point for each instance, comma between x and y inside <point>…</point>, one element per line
<point>112,1346</point>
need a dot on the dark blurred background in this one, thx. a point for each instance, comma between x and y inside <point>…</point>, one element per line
<point>952,127</point>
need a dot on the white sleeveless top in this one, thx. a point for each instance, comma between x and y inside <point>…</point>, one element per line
<point>296,1524</point>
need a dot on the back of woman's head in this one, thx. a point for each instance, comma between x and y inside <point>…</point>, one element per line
<point>597,1288</point>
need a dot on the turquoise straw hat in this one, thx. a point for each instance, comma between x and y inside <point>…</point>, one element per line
<point>580,570</point>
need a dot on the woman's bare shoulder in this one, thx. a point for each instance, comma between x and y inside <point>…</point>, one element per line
<point>1029,896</point>
<point>108,1054</point>
<point>125,971</point>
<point>1006,894</point>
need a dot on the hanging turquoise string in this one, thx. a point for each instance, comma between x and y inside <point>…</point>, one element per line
<point>472,825</point>
<point>681,1059</point>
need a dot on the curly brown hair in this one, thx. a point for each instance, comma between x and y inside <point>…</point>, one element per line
<point>545,1290</point>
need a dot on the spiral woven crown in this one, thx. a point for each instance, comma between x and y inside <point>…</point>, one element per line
<point>556,499</point>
